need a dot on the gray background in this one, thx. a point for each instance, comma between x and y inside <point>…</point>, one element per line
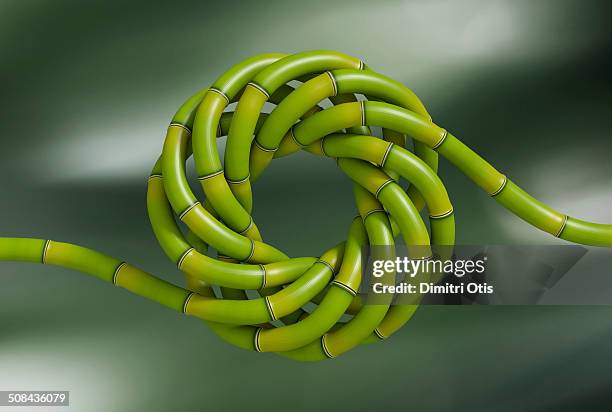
<point>85,97</point>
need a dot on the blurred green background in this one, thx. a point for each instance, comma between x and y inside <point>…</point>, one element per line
<point>87,92</point>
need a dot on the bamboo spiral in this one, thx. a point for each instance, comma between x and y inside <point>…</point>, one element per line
<point>275,320</point>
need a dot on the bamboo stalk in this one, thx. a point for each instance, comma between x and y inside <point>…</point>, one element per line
<point>277,319</point>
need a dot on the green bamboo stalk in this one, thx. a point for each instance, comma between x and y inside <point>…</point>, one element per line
<point>277,319</point>
<point>89,261</point>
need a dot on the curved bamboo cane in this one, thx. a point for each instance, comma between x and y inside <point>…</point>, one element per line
<point>224,221</point>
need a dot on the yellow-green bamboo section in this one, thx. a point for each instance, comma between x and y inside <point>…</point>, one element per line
<point>215,241</point>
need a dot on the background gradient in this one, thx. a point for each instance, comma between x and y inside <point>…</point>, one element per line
<point>87,93</point>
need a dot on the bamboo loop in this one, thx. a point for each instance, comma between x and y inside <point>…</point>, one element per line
<point>275,317</point>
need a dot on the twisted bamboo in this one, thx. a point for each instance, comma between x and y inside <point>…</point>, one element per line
<point>224,221</point>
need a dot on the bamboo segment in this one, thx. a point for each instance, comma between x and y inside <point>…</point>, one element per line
<point>304,308</point>
<point>587,233</point>
<point>474,166</point>
<point>81,259</point>
<point>150,287</point>
<point>22,250</point>
<point>529,209</point>
<point>205,130</point>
